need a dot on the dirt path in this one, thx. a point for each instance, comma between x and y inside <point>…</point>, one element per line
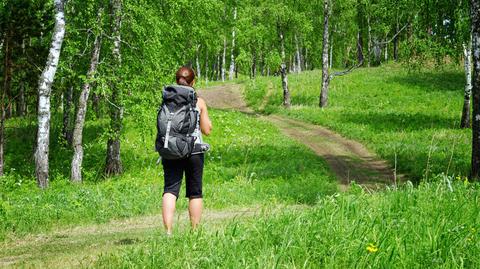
<point>348,159</point>
<point>80,246</point>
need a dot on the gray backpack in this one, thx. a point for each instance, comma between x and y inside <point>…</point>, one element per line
<point>176,122</point>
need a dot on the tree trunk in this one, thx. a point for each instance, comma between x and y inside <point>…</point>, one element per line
<point>67,115</point>
<point>331,52</point>
<point>96,104</point>
<point>206,66</point>
<point>76,175</point>
<point>475,14</point>
<point>297,56</point>
<point>232,58</point>
<point>369,47</point>
<point>217,68</point>
<point>21,104</point>
<point>325,75</point>
<point>395,45</point>
<point>197,61</point>
<point>467,52</point>
<point>306,58</point>
<point>254,63</point>
<point>113,164</point>
<point>224,58</point>
<point>44,91</point>
<point>360,57</point>
<point>283,71</point>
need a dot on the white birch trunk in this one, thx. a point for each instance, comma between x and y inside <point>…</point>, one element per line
<point>325,76</point>
<point>283,71</point>
<point>206,67</point>
<point>331,52</point>
<point>199,73</point>
<point>44,91</point>
<point>224,58</point>
<point>467,54</point>
<point>76,172</point>
<point>298,57</point>
<point>231,73</point>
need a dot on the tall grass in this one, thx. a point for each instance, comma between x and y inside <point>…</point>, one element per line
<point>433,226</point>
<point>411,116</point>
<point>250,163</point>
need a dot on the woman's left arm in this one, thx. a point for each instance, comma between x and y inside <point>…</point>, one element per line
<point>205,123</point>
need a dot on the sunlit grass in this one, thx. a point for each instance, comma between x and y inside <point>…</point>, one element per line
<point>406,117</point>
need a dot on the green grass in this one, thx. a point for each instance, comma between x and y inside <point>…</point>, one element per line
<point>403,228</point>
<point>250,163</point>
<point>411,116</point>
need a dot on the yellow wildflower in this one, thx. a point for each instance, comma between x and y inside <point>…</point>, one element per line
<point>371,248</point>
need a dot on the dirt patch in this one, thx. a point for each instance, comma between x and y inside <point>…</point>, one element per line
<point>348,159</point>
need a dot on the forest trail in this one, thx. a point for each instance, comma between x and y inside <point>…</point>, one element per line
<point>80,246</point>
<point>348,159</point>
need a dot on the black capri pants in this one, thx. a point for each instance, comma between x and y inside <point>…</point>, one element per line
<point>173,171</point>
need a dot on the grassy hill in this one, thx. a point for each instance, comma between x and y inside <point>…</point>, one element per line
<point>410,116</point>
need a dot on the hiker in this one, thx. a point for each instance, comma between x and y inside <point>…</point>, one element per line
<point>181,147</point>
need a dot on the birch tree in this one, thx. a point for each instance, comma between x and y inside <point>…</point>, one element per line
<point>475,17</point>
<point>76,170</point>
<point>467,52</point>
<point>44,91</point>
<point>231,72</point>
<point>113,164</point>
<point>325,76</point>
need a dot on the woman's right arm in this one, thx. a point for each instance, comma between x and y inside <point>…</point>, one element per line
<point>205,123</point>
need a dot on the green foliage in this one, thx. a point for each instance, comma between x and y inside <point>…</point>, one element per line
<point>410,117</point>
<point>391,229</point>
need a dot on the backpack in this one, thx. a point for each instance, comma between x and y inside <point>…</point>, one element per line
<point>176,122</point>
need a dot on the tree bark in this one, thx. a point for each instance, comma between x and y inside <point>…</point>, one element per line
<point>76,172</point>
<point>206,66</point>
<point>325,75</point>
<point>113,164</point>
<point>224,55</point>
<point>369,47</point>
<point>44,91</point>
<point>232,54</point>
<point>298,59</point>
<point>283,71</point>
<point>360,57</point>
<point>467,52</point>
<point>475,15</point>
<point>197,62</point>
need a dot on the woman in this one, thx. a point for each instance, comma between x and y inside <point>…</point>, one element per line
<point>191,166</point>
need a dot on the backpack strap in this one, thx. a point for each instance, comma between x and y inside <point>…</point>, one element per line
<point>169,127</point>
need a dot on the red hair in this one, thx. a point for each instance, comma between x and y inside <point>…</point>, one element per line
<point>185,76</point>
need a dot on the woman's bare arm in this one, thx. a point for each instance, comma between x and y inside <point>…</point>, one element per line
<point>205,123</point>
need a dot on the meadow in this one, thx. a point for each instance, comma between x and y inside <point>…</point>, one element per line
<point>408,117</point>
<point>301,218</point>
<point>242,169</point>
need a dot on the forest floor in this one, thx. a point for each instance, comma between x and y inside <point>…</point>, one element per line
<point>348,159</point>
<point>81,246</point>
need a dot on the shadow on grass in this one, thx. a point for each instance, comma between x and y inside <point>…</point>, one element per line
<point>400,121</point>
<point>431,81</point>
<point>20,149</point>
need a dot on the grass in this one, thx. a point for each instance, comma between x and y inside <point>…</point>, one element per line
<point>411,117</point>
<point>250,163</point>
<point>393,229</point>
